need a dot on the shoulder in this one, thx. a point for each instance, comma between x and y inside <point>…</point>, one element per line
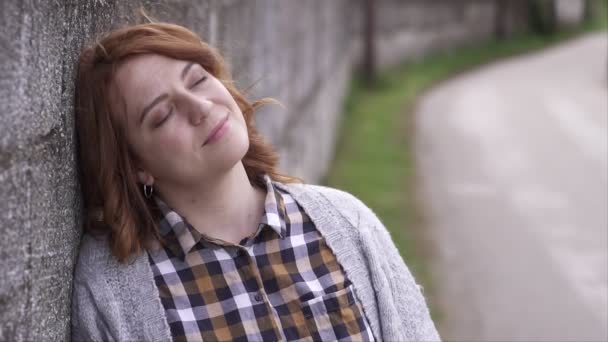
<point>324,198</point>
<point>321,192</point>
<point>325,201</point>
<point>93,249</point>
<point>93,258</point>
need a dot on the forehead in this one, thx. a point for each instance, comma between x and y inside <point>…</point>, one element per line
<point>144,73</point>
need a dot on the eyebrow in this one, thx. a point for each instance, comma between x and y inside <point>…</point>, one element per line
<point>162,97</point>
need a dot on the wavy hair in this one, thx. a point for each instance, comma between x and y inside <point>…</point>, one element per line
<point>112,198</point>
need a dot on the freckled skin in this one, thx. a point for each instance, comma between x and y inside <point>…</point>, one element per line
<point>171,154</point>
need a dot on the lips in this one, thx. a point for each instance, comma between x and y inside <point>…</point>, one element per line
<point>216,129</point>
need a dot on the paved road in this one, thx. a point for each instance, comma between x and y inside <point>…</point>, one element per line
<point>513,159</point>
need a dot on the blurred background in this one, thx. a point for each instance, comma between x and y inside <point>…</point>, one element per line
<point>475,129</point>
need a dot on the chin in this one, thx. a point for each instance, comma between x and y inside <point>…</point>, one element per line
<point>235,152</point>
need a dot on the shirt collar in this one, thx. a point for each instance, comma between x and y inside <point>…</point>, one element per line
<point>275,212</point>
<point>184,236</point>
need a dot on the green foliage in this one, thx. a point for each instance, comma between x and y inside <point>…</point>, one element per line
<point>596,17</point>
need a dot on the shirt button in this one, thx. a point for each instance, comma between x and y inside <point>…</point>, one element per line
<point>258,297</point>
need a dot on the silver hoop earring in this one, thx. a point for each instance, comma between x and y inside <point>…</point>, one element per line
<point>148,190</point>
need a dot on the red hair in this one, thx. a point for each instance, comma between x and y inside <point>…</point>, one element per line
<point>113,201</point>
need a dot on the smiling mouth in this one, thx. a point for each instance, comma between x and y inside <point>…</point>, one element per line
<point>216,129</point>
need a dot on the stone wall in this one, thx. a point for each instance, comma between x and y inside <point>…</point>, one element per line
<point>409,30</point>
<point>299,52</point>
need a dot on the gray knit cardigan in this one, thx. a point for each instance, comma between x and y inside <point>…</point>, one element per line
<point>120,302</point>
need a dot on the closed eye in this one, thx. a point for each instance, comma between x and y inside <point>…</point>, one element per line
<point>165,119</point>
<point>201,80</point>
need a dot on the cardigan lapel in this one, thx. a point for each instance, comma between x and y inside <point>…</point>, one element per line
<point>146,315</point>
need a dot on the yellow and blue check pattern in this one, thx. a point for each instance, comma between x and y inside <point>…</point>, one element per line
<point>281,283</point>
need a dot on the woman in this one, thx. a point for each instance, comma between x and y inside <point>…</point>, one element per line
<point>191,232</point>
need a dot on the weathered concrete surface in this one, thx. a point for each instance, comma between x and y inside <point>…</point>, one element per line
<point>514,160</point>
<point>305,64</point>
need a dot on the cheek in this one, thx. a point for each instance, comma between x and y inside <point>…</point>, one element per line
<point>238,115</point>
<point>230,101</point>
<point>244,136</point>
<point>174,143</point>
<point>166,146</point>
<point>239,127</point>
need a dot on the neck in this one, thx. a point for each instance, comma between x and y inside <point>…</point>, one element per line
<point>228,208</point>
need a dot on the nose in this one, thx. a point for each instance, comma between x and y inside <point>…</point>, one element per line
<point>199,110</point>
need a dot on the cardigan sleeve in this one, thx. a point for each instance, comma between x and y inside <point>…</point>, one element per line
<point>402,306</point>
<point>87,324</point>
<point>89,307</point>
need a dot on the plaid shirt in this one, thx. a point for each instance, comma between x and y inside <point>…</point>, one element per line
<point>281,283</point>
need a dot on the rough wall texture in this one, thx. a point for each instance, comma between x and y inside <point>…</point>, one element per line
<point>300,52</point>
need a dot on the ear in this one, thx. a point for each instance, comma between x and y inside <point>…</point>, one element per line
<point>145,178</point>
